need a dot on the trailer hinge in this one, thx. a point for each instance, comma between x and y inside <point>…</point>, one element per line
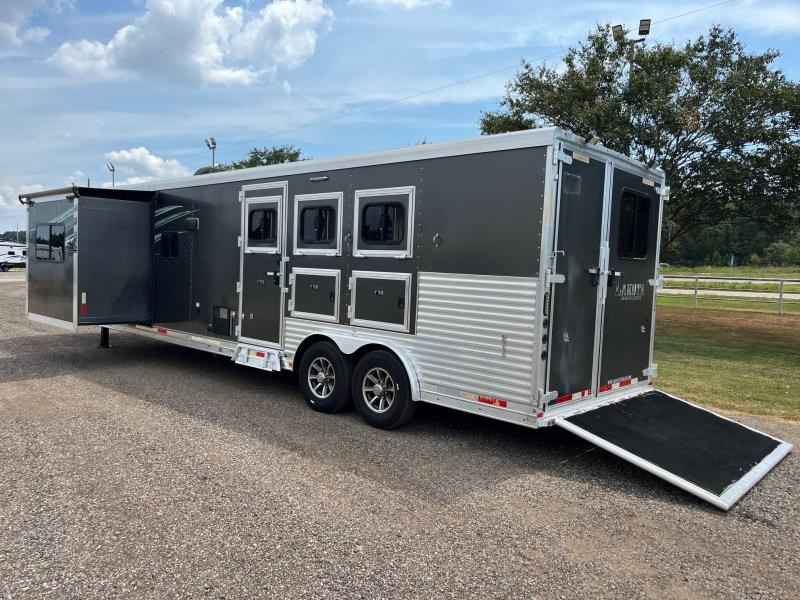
<point>651,371</point>
<point>551,278</point>
<point>291,305</point>
<point>657,282</point>
<point>350,283</point>
<point>236,331</point>
<point>291,278</point>
<point>543,397</point>
<point>238,241</point>
<point>241,196</point>
<point>564,157</point>
<point>238,287</point>
<point>663,191</point>
<point>349,311</point>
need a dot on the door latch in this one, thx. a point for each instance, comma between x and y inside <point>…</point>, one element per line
<point>594,276</point>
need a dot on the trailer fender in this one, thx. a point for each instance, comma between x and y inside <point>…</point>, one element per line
<point>349,345</point>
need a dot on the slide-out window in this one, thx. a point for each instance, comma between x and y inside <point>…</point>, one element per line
<point>50,242</point>
<point>383,223</point>
<point>634,226</point>
<point>318,225</point>
<point>262,227</point>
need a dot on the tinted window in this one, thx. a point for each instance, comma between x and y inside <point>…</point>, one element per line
<point>634,226</point>
<point>170,244</point>
<point>318,225</point>
<point>12,253</point>
<point>383,223</point>
<point>262,227</point>
<point>50,242</point>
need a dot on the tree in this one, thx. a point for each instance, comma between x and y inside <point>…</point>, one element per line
<point>260,157</point>
<point>722,123</point>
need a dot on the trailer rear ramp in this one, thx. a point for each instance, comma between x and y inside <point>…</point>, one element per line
<point>699,451</point>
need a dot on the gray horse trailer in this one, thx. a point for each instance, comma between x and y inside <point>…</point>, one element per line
<point>511,276</point>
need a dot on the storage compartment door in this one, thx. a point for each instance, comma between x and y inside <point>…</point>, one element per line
<point>381,300</point>
<point>315,294</point>
<point>114,261</point>
<point>695,449</point>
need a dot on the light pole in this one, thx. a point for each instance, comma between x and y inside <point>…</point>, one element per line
<point>212,145</point>
<point>110,166</point>
<point>644,31</point>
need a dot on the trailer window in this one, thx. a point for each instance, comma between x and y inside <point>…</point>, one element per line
<point>50,242</point>
<point>383,223</point>
<point>262,227</point>
<point>634,226</point>
<point>12,253</point>
<point>170,244</point>
<point>318,225</point>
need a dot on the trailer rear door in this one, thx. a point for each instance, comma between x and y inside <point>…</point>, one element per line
<point>706,454</point>
<point>91,254</point>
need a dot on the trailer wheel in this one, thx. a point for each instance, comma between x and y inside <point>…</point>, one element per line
<point>3,268</point>
<point>325,377</point>
<point>381,392</point>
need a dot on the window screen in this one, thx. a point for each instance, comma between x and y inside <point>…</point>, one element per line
<point>262,227</point>
<point>634,226</point>
<point>50,242</point>
<point>318,225</point>
<point>383,223</point>
<point>170,244</point>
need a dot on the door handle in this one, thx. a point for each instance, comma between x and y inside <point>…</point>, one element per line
<point>276,275</point>
<point>594,276</point>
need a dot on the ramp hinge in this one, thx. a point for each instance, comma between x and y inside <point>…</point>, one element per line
<point>651,371</point>
<point>545,397</point>
<point>238,287</point>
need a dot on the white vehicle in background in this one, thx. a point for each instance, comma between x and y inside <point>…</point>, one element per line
<point>12,255</point>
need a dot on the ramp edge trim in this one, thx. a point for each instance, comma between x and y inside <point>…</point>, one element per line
<point>69,326</point>
<point>724,502</point>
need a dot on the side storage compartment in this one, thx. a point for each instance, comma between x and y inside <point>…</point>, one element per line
<point>381,300</point>
<point>315,294</point>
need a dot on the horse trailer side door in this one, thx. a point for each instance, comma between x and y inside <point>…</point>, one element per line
<point>574,308</point>
<point>628,319</point>
<point>262,276</point>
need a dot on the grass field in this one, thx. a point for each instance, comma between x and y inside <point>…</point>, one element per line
<point>737,304</point>
<point>745,271</point>
<point>737,361</point>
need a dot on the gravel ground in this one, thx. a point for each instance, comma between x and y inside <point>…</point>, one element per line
<point>150,470</point>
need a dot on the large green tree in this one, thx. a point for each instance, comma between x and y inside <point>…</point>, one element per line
<point>723,123</point>
<point>261,157</point>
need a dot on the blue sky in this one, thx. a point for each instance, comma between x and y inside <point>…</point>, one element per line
<point>142,83</point>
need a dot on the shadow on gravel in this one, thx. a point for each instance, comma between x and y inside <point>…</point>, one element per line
<point>441,456</point>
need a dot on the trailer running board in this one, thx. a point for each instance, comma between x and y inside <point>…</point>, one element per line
<point>701,452</point>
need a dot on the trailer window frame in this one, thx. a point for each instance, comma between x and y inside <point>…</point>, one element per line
<point>38,254</point>
<point>325,200</point>
<point>633,235</point>
<point>265,204</point>
<point>403,196</point>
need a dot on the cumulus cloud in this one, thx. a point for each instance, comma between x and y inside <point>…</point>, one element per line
<point>9,195</point>
<point>407,4</point>
<point>202,41</point>
<point>139,165</point>
<point>14,17</point>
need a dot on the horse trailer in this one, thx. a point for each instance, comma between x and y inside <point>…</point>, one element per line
<point>512,276</point>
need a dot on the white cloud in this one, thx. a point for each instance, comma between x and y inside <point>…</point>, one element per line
<point>9,195</point>
<point>77,178</point>
<point>201,40</point>
<point>14,17</point>
<point>407,4</point>
<point>140,165</point>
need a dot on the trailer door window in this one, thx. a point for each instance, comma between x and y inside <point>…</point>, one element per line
<point>262,227</point>
<point>318,225</point>
<point>50,242</point>
<point>634,226</point>
<point>383,223</point>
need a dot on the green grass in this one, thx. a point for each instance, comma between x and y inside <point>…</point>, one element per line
<point>736,361</point>
<point>745,271</point>
<point>747,286</point>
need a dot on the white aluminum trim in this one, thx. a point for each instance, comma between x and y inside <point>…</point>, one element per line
<point>206,344</point>
<point>277,200</point>
<point>336,274</point>
<point>338,197</point>
<point>408,251</point>
<point>52,322</point>
<point>407,277</point>
<point>75,217</point>
<point>735,492</point>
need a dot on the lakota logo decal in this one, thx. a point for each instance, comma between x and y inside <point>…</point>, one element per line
<point>629,291</point>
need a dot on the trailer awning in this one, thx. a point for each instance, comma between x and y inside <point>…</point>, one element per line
<point>706,454</point>
<point>93,192</point>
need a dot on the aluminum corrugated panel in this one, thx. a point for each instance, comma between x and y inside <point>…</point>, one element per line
<point>458,345</point>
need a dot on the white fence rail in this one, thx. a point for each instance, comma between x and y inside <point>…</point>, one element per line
<point>783,293</point>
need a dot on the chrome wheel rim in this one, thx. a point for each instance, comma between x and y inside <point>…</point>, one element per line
<point>321,377</point>
<point>378,390</point>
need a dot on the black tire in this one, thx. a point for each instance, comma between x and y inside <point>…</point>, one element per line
<point>4,268</point>
<point>321,356</point>
<point>373,407</point>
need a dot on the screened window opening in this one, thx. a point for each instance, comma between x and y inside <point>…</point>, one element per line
<point>318,225</point>
<point>170,244</point>
<point>383,223</point>
<point>50,242</point>
<point>262,227</point>
<point>634,226</point>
